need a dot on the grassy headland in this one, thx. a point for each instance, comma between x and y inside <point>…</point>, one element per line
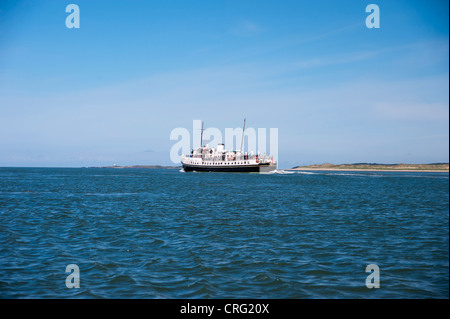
<point>434,167</point>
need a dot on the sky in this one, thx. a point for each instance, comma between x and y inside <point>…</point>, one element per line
<point>113,90</point>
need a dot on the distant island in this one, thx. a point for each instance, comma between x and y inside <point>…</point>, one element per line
<point>434,167</point>
<point>139,166</point>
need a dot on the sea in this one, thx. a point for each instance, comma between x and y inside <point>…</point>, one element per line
<point>164,233</point>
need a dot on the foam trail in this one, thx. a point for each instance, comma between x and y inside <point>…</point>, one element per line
<point>279,171</point>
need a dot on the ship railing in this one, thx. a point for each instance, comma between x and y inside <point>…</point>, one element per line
<point>243,157</point>
<point>260,158</point>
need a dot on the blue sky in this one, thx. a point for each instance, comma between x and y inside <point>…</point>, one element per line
<point>111,91</point>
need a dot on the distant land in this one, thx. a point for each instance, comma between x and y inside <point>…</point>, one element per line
<point>433,167</point>
<point>138,166</point>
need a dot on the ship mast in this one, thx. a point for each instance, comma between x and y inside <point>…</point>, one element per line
<point>242,140</point>
<point>201,135</point>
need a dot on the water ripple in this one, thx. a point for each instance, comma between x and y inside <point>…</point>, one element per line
<point>168,234</point>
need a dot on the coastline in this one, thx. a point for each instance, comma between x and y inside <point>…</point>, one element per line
<point>367,170</point>
<point>323,168</point>
<point>376,167</point>
<point>138,166</point>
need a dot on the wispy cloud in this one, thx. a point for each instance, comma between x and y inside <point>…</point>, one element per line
<point>335,60</point>
<point>412,111</point>
<point>245,28</point>
<point>417,54</point>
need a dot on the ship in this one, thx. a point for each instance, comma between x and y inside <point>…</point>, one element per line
<point>218,159</point>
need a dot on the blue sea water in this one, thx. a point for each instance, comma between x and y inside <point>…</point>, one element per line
<point>162,233</point>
